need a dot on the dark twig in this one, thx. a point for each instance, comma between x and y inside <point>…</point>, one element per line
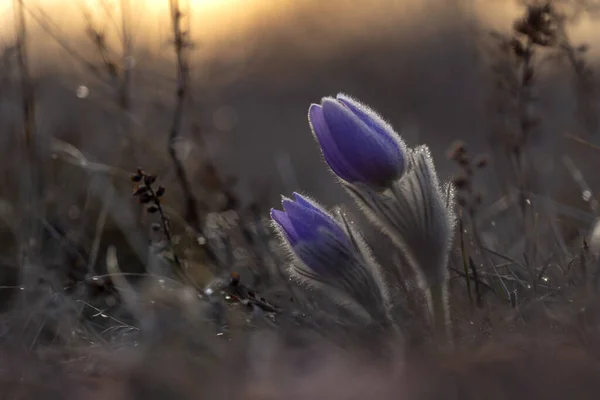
<point>32,183</point>
<point>26,87</point>
<point>146,194</point>
<point>181,44</point>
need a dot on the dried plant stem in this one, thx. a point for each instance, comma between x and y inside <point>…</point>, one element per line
<point>26,87</point>
<point>123,80</point>
<point>44,21</point>
<point>31,182</point>
<point>522,172</point>
<point>100,223</point>
<point>124,95</point>
<point>118,71</point>
<point>165,227</point>
<point>27,100</point>
<point>523,101</point>
<point>440,313</point>
<point>463,252</point>
<point>587,110</point>
<point>181,44</point>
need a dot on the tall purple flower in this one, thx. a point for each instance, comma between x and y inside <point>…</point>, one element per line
<point>357,144</point>
<point>328,252</point>
<point>417,214</point>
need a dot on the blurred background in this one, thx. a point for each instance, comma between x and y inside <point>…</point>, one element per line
<point>103,75</point>
<point>210,99</point>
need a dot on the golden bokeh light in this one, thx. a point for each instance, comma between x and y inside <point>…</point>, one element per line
<point>207,17</point>
<point>213,21</point>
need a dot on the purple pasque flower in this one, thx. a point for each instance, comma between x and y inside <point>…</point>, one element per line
<point>357,144</point>
<point>329,253</point>
<point>303,221</point>
<point>417,214</point>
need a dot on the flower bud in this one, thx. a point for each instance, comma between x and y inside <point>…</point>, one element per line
<point>357,144</point>
<point>331,255</point>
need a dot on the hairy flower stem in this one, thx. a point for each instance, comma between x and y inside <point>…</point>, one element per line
<point>439,312</point>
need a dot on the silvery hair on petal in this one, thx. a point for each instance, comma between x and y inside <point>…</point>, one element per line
<point>342,269</point>
<point>417,214</point>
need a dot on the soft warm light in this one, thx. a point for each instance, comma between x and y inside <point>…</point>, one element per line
<point>147,4</point>
<point>149,21</point>
<point>68,12</point>
<point>214,22</point>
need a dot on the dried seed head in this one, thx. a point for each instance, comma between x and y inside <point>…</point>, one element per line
<point>149,179</point>
<point>160,191</point>
<point>517,47</point>
<point>140,190</point>
<point>522,27</point>
<point>135,178</point>
<point>463,161</point>
<point>457,150</point>
<point>583,48</point>
<point>528,77</point>
<point>145,198</point>
<point>461,182</point>
<point>481,161</point>
<point>152,209</point>
<point>235,278</point>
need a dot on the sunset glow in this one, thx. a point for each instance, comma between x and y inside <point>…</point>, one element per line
<point>212,22</point>
<point>208,17</point>
<point>147,4</point>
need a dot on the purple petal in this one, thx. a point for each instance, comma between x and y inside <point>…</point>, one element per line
<point>307,222</point>
<point>373,121</point>
<point>303,201</point>
<point>334,159</point>
<point>283,220</point>
<point>329,221</point>
<point>356,142</point>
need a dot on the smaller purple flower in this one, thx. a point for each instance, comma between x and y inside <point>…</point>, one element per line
<point>357,144</point>
<point>304,222</point>
<point>330,254</point>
